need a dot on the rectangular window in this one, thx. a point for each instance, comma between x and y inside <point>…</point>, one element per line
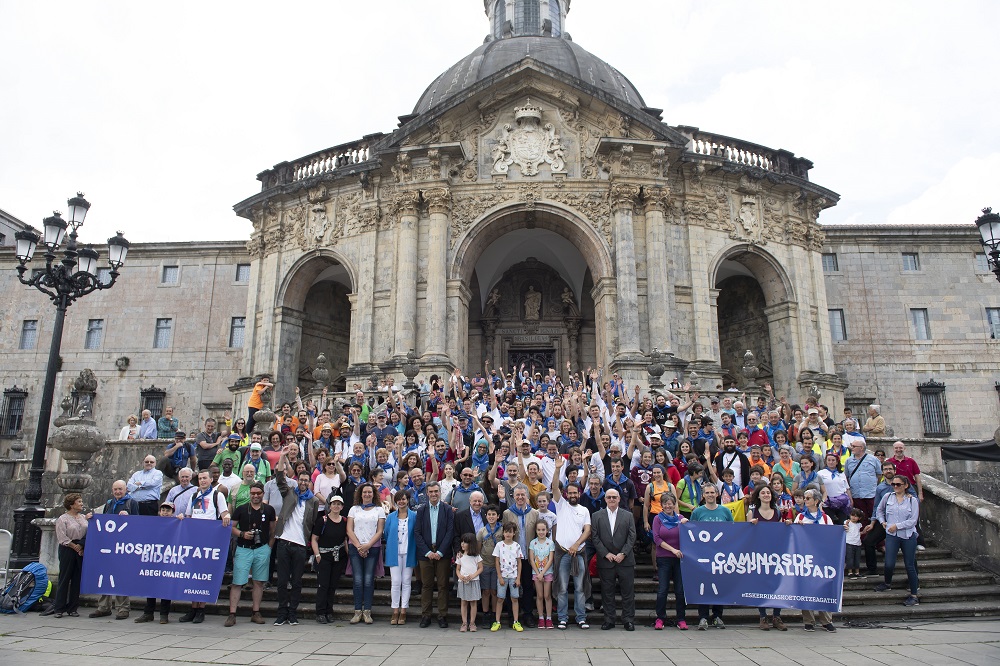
<point>164,328</point>
<point>982,265</point>
<point>838,330</point>
<point>95,334</point>
<point>237,330</point>
<point>911,261</point>
<point>242,272</point>
<point>152,399</point>
<point>993,319</point>
<point>934,408</point>
<point>830,263</point>
<point>170,274</point>
<point>13,411</point>
<point>921,324</point>
<point>104,275</point>
<point>29,334</point>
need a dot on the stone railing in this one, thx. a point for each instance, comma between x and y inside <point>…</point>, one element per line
<point>745,153</point>
<point>965,523</point>
<point>324,161</point>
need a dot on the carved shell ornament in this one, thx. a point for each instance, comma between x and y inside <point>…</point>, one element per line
<point>528,144</point>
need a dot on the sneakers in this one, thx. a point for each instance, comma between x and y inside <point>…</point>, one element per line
<point>764,624</point>
<point>778,624</point>
<point>882,587</point>
<point>164,619</point>
<point>321,619</point>
<point>517,626</point>
<point>548,623</point>
<point>562,625</point>
<point>292,620</point>
<point>718,623</point>
<point>703,624</point>
<point>583,625</point>
<point>911,600</point>
<point>256,618</point>
<point>230,621</point>
<point>830,628</point>
<point>921,549</point>
<point>541,623</point>
<point>809,627</point>
<point>495,626</point>
<point>357,617</point>
<point>682,625</point>
<point>658,625</point>
<point>280,620</point>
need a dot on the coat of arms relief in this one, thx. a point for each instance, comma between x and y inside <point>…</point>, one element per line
<point>528,144</point>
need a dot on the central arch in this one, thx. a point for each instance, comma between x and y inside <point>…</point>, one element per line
<point>543,249</point>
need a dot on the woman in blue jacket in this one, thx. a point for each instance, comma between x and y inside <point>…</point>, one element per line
<point>400,554</point>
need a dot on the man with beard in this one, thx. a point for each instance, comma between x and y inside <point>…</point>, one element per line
<point>734,460</point>
<point>252,525</point>
<point>292,532</point>
<point>573,533</point>
<point>231,451</point>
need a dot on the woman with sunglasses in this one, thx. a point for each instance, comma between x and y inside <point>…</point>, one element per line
<point>898,512</point>
<point>328,482</point>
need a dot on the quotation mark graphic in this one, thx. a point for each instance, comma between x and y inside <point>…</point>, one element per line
<point>705,536</point>
<point>111,527</point>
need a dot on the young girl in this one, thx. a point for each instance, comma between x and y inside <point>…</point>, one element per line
<point>449,481</point>
<point>468,566</point>
<point>542,556</point>
<point>853,529</point>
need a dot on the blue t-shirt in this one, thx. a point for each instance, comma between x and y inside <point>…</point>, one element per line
<point>719,514</point>
<point>181,456</point>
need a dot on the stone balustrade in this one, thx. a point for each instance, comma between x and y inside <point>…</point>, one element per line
<point>322,162</point>
<point>745,153</point>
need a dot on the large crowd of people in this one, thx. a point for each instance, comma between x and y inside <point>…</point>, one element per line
<point>516,490</point>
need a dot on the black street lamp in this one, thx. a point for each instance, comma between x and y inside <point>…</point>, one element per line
<point>62,280</point>
<point>989,229</point>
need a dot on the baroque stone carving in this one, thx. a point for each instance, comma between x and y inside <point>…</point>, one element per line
<point>532,304</point>
<point>750,227</point>
<point>466,210</point>
<point>623,196</point>
<point>438,200</point>
<point>401,170</point>
<point>593,206</point>
<point>528,144</point>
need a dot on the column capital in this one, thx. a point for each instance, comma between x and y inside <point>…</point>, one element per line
<point>406,202</point>
<point>656,199</point>
<point>624,196</point>
<point>438,200</point>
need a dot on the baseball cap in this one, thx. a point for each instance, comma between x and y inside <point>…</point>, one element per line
<point>180,435</point>
<point>234,436</point>
<point>335,498</point>
<point>255,446</point>
<point>813,410</point>
<point>656,435</point>
<point>170,504</point>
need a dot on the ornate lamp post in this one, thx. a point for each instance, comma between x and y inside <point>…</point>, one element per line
<point>62,280</point>
<point>989,229</point>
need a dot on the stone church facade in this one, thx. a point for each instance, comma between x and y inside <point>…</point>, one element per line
<point>532,208</point>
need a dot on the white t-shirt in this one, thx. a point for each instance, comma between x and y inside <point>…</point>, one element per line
<point>834,486</point>
<point>853,533</point>
<point>202,508</point>
<point>507,557</point>
<point>292,531</point>
<point>572,520</point>
<point>229,482</point>
<point>324,484</point>
<point>366,522</point>
<point>469,564</point>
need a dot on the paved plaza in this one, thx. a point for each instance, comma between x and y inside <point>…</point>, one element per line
<point>81,641</point>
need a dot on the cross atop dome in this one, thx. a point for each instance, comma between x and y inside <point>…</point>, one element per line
<point>519,18</point>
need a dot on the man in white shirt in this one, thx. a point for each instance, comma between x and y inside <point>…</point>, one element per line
<point>206,504</point>
<point>227,478</point>
<point>574,531</point>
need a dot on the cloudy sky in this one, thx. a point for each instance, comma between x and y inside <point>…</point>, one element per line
<point>164,113</point>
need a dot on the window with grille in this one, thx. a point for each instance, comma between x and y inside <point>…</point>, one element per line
<point>921,324</point>
<point>911,261</point>
<point>12,415</point>
<point>499,18</point>
<point>242,272</point>
<point>982,265</point>
<point>95,334</point>
<point>170,274</point>
<point>152,398</point>
<point>29,334</point>
<point>104,275</point>
<point>527,18</point>
<point>830,263</point>
<point>164,329</point>
<point>993,319</point>
<point>934,408</point>
<point>237,330</point>
<point>555,17</point>
<point>838,328</point>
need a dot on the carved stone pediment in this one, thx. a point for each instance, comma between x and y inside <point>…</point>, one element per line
<point>528,144</point>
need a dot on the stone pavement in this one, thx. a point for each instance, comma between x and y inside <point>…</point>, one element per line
<point>30,639</point>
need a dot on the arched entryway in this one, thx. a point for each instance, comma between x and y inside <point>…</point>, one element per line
<point>314,317</point>
<point>532,277</point>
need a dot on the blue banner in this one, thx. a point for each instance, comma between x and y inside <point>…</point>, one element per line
<point>770,565</point>
<point>152,556</point>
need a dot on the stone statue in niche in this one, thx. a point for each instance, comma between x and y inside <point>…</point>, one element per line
<point>529,144</point>
<point>318,225</point>
<point>532,304</point>
<point>752,228</point>
<point>569,303</point>
<point>492,302</point>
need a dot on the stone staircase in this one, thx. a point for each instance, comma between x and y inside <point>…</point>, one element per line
<point>950,588</point>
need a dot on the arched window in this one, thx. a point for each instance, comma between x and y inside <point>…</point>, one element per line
<point>499,18</point>
<point>527,18</point>
<point>555,17</point>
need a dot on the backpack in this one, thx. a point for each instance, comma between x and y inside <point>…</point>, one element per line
<point>24,589</point>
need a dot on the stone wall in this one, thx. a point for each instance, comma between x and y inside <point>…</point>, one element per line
<point>967,524</point>
<point>881,358</point>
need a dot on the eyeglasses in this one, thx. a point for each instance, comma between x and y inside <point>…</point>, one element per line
<point>897,485</point>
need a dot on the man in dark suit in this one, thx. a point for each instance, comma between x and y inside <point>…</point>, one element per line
<point>470,520</point>
<point>435,534</point>
<point>613,535</point>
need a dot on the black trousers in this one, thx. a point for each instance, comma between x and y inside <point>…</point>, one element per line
<point>68,591</point>
<point>624,577</point>
<point>870,543</point>
<point>151,607</point>
<point>291,564</point>
<point>328,578</point>
<point>149,507</point>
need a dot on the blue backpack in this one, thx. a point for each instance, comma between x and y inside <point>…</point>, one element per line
<point>25,589</point>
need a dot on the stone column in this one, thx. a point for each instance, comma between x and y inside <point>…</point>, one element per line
<point>458,301</point>
<point>701,297</point>
<point>658,277</point>
<point>363,307</point>
<point>439,206</point>
<point>405,205</point>
<point>623,201</point>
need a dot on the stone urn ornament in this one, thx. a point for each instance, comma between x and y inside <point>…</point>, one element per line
<point>655,369</point>
<point>750,369</point>
<point>321,374</point>
<point>410,370</point>
<point>78,437</point>
<point>264,418</point>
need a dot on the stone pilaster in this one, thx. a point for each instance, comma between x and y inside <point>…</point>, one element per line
<point>701,297</point>
<point>624,198</point>
<point>657,281</point>
<point>435,327</point>
<point>405,204</point>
